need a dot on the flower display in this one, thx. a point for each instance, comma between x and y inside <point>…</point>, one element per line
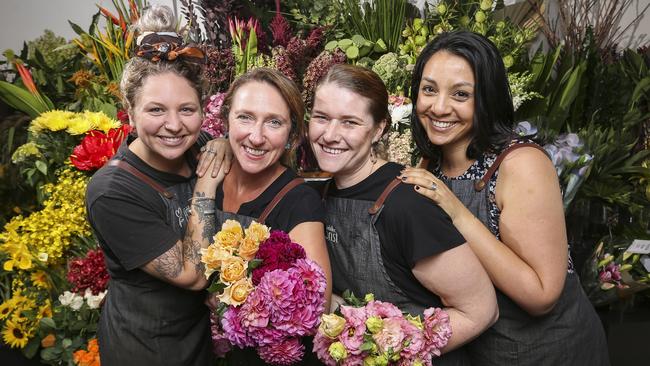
<point>374,332</point>
<point>89,357</point>
<point>270,293</point>
<point>213,123</point>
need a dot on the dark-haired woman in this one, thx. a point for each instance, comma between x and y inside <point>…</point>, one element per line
<point>504,198</point>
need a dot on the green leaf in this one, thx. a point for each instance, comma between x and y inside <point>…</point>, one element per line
<point>77,28</point>
<point>41,166</point>
<point>32,347</point>
<point>21,99</point>
<point>51,353</point>
<point>352,52</point>
<point>331,45</point>
<point>366,346</point>
<point>216,286</point>
<point>47,325</point>
<point>67,342</point>
<point>254,263</point>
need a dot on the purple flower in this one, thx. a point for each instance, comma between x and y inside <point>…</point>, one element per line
<point>277,252</point>
<point>286,352</point>
<point>525,128</point>
<point>611,273</point>
<point>232,327</point>
<point>220,342</point>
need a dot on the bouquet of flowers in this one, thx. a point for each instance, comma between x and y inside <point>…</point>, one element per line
<point>270,293</point>
<point>373,332</point>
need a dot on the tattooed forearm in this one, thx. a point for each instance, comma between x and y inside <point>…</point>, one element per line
<point>192,251</point>
<point>169,264</point>
<point>203,209</point>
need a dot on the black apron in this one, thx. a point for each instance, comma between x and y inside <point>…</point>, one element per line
<point>355,258</point>
<point>154,322</point>
<point>571,334</point>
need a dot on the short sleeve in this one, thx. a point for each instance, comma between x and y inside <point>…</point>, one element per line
<point>301,204</point>
<point>421,226</point>
<point>132,229</point>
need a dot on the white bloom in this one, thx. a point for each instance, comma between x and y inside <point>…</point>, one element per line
<point>42,257</point>
<point>400,114</point>
<point>72,300</point>
<point>94,301</point>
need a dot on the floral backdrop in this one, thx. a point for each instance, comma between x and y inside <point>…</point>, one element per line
<point>586,100</point>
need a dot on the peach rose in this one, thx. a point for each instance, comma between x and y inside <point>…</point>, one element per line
<point>237,293</point>
<point>257,232</point>
<point>48,341</point>
<point>212,257</point>
<point>248,248</point>
<point>233,269</point>
<point>230,235</point>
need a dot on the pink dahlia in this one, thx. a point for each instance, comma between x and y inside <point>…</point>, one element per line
<point>232,327</point>
<point>276,252</point>
<point>220,342</point>
<point>287,352</point>
<point>255,311</point>
<point>266,336</point>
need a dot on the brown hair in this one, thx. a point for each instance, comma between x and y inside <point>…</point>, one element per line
<point>158,18</point>
<point>364,82</point>
<point>287,88</point>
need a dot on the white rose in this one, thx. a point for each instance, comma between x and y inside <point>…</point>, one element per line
<point>66,298</point>
<point>94,301</point>
<point>400,114</point>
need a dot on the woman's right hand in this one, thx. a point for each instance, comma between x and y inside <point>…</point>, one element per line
<point>216,151</point>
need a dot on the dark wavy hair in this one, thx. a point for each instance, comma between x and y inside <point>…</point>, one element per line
<point>492,127</point>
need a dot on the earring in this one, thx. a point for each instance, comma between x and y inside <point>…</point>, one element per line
<point>373,157</point>
<point>287,146</point>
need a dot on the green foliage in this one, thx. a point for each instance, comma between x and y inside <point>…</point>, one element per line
<point>357,47</point>
<point>309,14</point>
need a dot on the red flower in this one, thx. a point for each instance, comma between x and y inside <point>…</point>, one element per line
<point>89,272</point>
<point>97,148</point>
<point>123,116</point>
<point>277,252</point>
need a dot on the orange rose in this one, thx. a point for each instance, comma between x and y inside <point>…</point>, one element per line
<point>233,269</point>
<point>48,341</point>
<point>248,248</point>
<point>237,293</point>
<point>93,346</point>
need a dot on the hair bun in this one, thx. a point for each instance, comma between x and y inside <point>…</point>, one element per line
<point>157,18</point>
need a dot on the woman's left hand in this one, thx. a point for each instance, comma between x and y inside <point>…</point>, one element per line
<point>429,186</point>
<point>217,150</point>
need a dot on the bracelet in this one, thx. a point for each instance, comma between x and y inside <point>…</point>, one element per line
<point>199,199</point>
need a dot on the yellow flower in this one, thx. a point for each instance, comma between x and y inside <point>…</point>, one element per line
<point>100,121</point>
<point>237,293</point>
<point>337,351</point>
<point>257,232</point>
<point>331,325</point>
<point>248,248</point>
<point>6,308</point>
<point>24,151</point>
<point>45,311</point>
<point>53,121</point>
<point>229,235</point>
<point>20,257</point>
<point>14,334</point>
<point>233,269</point>
<point>374,324</point>
<point>40,279</point>
<point>79,125</point>
<point>212,257</point>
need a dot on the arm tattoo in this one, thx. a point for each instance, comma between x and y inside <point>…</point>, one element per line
<point>170,263</point>
<point>192,251</point>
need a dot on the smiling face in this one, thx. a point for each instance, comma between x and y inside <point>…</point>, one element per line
<point>259,125</point>
<point>445,105</point>
<point>167,118</point>
<point>341,133</point>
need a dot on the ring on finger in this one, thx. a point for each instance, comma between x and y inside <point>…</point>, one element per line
<point>433,186</point>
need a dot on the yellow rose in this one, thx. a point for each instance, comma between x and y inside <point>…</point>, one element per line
<point>331,325</point>
<point>233,269</point>
<point>212,257</point>
<point>257,232</point>
<point>237,293</point>
<point>230,235</point>
<point>248,248</point>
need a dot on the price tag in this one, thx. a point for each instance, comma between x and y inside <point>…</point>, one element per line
<point>645,260</point>
<point>639,246</point>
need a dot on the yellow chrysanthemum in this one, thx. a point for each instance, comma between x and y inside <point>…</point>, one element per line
<point>55,120</point>
<point>79,125</point>
<point>15,334</point>
<point>100,121</point>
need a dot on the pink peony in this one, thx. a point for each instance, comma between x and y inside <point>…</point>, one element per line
<point>287,352</point>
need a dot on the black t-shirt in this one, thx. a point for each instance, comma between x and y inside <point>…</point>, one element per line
<point>410,227</point>
<point>301,204</point>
